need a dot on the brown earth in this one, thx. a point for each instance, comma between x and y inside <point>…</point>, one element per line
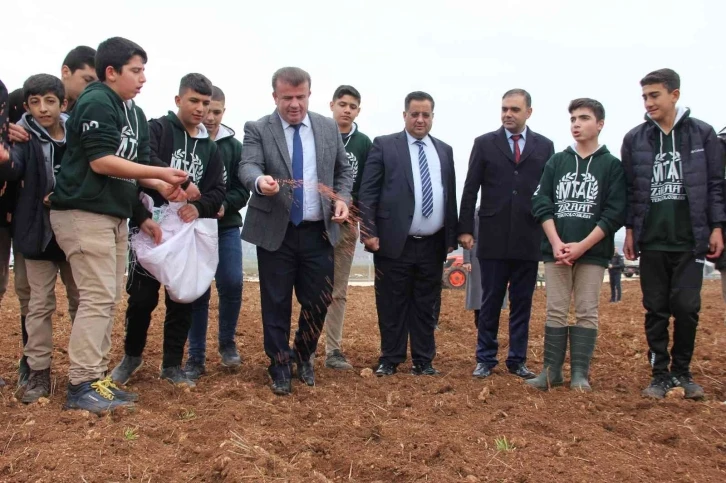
<point>397,429</point>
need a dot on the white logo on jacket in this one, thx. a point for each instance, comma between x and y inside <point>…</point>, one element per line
<point>667,181</point>
<point>575,198</point>
<point>192,165</point>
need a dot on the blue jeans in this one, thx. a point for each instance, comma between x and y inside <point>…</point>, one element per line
<point>229,288</point>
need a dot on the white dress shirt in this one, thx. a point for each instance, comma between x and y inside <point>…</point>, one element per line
<point>312,209</point>
<point>521,141</point>
<point>422,226</point>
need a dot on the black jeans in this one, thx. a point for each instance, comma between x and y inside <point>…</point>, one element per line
<point>671,284</point>
<point>304,262</point>
<point>616,291</point>
<point>408,298</point>
<point>143,290</point>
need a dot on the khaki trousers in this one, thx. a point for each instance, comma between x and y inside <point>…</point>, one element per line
<point>42,275</point>
<point>561,281</point>
<point>344,252</point>
<point>95,246</point>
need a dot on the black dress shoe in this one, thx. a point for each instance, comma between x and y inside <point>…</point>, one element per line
<point>424,370</point>
<point>306,373</point>
<point>282,386</point>
<point>385,369</point>
<point>522,371</point>
<point>482,370</point>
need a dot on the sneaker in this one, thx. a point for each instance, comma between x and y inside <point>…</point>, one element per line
<point>126,368</point>
<point>194,370</point>
<point>692,390</point>
<point>425,369</point>
<point>38,386</point>
<point>94,397</point>
<point>176,376</point>
<point>230,356</point>
<point>336,360</point>
<point>658,387</point>
<point>385,369</point>
<point>23,371</point>
<point>120,394</point>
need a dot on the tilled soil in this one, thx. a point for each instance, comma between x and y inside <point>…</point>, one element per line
<point>397,429</point>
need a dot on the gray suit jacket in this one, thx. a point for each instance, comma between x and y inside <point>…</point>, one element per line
<point>264,152</point>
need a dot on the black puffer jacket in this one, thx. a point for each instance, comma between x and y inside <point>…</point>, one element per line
<point>703,176</point>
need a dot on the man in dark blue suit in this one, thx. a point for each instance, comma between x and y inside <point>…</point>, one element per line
<point>407,200</point>
<point>506,165</point>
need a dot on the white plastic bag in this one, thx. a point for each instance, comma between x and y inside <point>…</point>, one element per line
<point>186,259</point>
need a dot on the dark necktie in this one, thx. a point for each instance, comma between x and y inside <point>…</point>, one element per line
<point>517,153</point>
<point>427,192</point>
<point>296,211</point>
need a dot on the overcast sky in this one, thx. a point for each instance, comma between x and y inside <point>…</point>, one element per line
<point>466,54</point>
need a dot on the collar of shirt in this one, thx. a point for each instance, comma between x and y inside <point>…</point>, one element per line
<point>305,122</point>
<point>523,133</point>
<point>426,140</point>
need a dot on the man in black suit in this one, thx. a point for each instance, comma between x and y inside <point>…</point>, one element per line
<point>408,220</point>
<point>506,165</point>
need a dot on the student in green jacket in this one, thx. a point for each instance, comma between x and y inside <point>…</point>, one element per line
<point>96,191</point>
<point>345,107</point>
<point>228,277</point>
<point>580,203</point>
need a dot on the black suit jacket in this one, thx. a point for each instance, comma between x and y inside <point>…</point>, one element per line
<point>507,229</point>
<point>386,196</point>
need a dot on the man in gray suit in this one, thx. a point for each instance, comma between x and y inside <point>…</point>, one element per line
<point>295,166</point>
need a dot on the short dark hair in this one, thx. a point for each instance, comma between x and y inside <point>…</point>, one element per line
<point>418,96</point>
<point>42,84</point>
<point>197,83</point>
<point>668,77</point>
<point>519,92</point>
<point>586,103</point>
<point>80,57</point>
<point>217,94</point>
<point>290,75</point>
<point>116,52</point>
<point>346,90</point>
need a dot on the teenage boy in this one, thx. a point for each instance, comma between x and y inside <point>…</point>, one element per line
<point>107,151</point>
<point>229,272</point>
<point>345,107</point>
<point>674,168</point>
<point>34,165</point>
<point>580,203</point>
<point>78,70</point>
<point>181,141</point>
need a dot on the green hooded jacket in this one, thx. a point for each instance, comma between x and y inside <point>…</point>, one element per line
<point>230,150</point>
<point>580,194</point>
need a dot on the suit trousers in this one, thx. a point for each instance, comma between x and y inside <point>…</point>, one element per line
<point>671,284</point>
<point>143,291</point>
<point>304,262</point>
<point>521,277</point>
<point>408,295</point>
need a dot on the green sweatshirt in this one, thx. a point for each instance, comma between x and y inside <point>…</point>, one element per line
<point>230,150</point>
<point>102,124</point>
<point>357,146</point>
<point>580,194</point>
<point>668,223</point>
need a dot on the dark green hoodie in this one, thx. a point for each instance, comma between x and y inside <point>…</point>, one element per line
<point>668,224</point>
<point>230,151</point>
<point>357,145</point>
<point>102,124</point>
<point>580,194</point>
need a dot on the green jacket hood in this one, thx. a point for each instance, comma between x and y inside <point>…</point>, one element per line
<point>224,132</point>
<point>176,122</point>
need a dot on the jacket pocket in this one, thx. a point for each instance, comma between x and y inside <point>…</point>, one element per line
<point>262,203</point>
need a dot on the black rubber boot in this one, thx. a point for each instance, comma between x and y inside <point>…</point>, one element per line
<point>554,357</point>
<point>582,345</point>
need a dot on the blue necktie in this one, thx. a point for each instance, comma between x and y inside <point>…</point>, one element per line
<point>296,212</point>
<point>427,191</point>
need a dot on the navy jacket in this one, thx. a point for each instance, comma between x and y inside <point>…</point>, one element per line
<point>507,229</point>
<point>386,196</point>
<point>702,162</point>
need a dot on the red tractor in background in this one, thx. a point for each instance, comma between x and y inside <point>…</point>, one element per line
<point>454,275</point>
